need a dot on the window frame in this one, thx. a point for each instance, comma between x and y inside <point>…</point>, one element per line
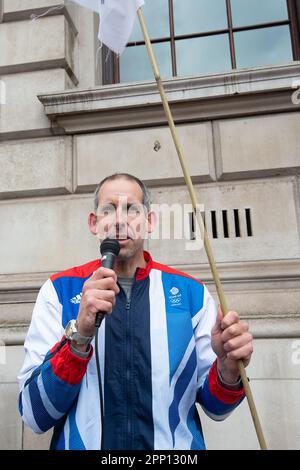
<point>111,63</point>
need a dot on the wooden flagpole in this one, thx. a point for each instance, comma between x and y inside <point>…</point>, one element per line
<point>199,219</point>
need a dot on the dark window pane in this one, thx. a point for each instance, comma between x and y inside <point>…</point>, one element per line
<point>203,55</point>
<point>135,64</point>
<point>156,13</point>
<point>194,16</point>
<point>265,46</point>
<point>248,12</point>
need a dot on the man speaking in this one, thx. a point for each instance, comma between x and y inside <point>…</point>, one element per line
<point>133,383</point>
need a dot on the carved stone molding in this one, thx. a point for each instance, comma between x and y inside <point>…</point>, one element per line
<point>124,106</point>
<point>250,271</point>
<point>261,328</point>
<point>243,281</point>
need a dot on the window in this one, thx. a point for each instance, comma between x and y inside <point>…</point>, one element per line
<point>193,37</point>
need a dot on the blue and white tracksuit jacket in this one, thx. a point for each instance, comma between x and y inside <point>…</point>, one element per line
<point>155,357</point>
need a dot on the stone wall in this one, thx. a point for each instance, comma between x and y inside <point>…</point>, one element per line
<point>60,133</point>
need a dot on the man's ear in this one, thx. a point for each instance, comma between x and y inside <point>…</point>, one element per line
<point>151,221</point>
<point>92,221</point>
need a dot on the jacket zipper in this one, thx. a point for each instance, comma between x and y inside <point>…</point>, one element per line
<point>128,375</point>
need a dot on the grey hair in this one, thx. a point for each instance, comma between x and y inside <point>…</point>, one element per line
<point>146,193</point>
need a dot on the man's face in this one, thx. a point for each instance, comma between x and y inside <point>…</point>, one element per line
<point>121,215</point>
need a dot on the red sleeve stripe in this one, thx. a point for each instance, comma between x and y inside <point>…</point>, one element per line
<point>56,346</point>
<point>68,367</point>
<point>229,397</point>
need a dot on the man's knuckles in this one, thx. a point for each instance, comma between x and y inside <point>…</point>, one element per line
<point>108,283</point>
<point>102,273</point>
<point>94,304</point>
<point>241,353</point>
<point>238,342</point>
<point>231,318</point>
<point>234,330</point>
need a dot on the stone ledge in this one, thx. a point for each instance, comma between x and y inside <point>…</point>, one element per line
<point>261,328</point>
<point>123,106</point>
<point>13,336</point>
<point>181,88</point>
<point>243,272</point>
<point>21,15</point>
<point>48,192</point>
<point>40,66</point>
<point>30,134</point>
<point>247,271</point>
<point>18,5</point>
<point>16,309</point>
<point>297,201</point>
<point>236,278</point>
<point>52,42</point>
<point>278,327</point>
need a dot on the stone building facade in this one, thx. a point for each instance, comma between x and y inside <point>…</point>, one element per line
<point>61,131</point>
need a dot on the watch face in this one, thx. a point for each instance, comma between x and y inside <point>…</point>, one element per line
<point>70,328</point>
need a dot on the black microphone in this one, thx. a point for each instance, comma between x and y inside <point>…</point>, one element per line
<point>109,250</point>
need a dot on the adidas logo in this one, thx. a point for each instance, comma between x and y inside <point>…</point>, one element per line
<point>76,299</point>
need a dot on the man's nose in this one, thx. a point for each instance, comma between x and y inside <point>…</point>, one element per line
<point>121,216</point>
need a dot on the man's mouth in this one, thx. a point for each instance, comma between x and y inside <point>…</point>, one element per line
<point>123,239</point>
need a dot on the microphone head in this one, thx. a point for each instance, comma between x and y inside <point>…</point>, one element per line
<point>110,245</point>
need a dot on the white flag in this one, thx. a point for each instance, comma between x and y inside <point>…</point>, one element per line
<point>116,20</point>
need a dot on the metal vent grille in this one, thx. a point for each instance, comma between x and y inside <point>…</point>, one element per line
<point>227,223</point>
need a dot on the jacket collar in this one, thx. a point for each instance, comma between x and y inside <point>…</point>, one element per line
<point>143,273</point>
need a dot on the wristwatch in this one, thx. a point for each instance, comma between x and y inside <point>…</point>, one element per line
<point>72,334</point>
